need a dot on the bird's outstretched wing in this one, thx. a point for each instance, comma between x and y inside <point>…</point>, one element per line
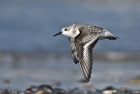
<point>84,53</point>
<point>73,50</point>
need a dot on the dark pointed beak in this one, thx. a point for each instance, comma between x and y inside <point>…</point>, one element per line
<point>57,34</point>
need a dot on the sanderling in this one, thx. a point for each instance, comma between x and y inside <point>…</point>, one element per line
<point>83,38</point>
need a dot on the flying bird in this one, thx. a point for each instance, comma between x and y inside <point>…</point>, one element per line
<point>82,39</point>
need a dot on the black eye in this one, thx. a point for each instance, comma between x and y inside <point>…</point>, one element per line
<point>65,29</point>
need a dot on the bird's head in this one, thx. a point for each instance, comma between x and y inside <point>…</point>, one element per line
<point>70,31</point>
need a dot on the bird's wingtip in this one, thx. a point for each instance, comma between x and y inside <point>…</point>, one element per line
<point>113,37</point>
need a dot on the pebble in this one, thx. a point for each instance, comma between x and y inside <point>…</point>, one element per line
<point>28,91</point>
<point>110,90</point>
<point>125,90</point>
<point>4,91</point>
<point>88,86</point>
<point>137,92</point>
<point>135,80</point>
<point>59,91</point>
<point>44,89</point>
<point>14,92</point>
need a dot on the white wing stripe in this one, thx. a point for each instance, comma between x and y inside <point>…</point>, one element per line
<point>89,43</point>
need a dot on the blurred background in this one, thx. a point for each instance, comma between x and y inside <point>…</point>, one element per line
<point>30,55</point>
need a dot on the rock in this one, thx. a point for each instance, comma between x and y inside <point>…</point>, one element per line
<point>34,88</point>
<point>135,80</point>
<point>28,91</point>
<point>40,92</point>
<point>125,90</point>
<point>47,89</point>
<point>14,92</point>
<point>137,92</point>
<point>4,91</point>
<point>59,91</point>
<point>88,86</point>
<point>44,89</point>
<point>110,90</point>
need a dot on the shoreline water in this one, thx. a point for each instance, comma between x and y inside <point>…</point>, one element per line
<point>106,56</point>
<point>67,74</point>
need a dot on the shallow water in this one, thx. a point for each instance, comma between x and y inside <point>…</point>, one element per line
<point>64,72</point>
<point>28,26</point>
